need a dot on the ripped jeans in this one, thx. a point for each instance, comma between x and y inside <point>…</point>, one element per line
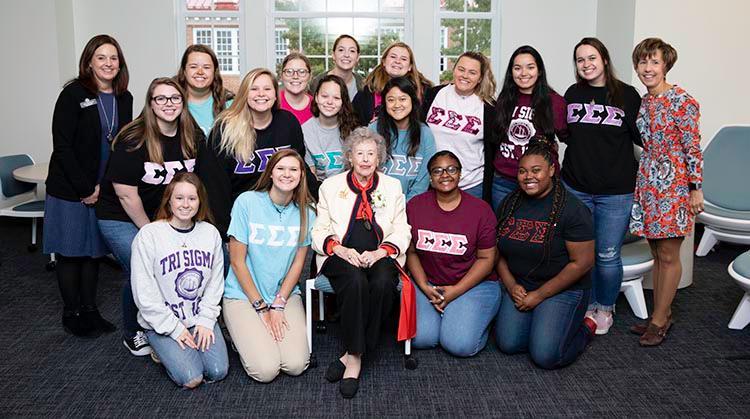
<point>611,218</point>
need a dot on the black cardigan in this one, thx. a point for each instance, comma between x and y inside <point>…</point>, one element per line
<point>490,145</point>
<point>76,141</point>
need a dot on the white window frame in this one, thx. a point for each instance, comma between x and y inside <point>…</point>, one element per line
<point>493,15</point>
<point>213,17</point>
<point>272,15</point>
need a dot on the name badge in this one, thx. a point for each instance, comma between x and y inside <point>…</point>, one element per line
<point>88,102</point>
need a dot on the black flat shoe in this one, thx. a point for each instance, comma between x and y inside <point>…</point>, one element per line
<point>97,322</point>
<point>74,324</point>
<point>335,371</point>
<point>348,387</point>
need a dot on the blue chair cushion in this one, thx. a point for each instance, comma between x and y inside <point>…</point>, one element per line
<point>630,238</point>
<point>742,264</point>
<point>30,206</point>
<point>636,253</point>
<point>724,212</point>
<point>724,167</point>
<point>8,184</point>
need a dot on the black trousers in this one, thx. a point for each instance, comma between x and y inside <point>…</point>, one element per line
<point>365,298</point>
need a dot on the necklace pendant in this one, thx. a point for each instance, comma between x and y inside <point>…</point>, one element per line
<point>109,137</point>
<point>368,226</point>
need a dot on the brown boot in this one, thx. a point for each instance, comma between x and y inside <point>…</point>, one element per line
<point>654,335</point>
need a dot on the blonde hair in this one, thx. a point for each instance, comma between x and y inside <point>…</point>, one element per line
<point>486,87</point>
<point>377,79</point>
<point>238,134</point>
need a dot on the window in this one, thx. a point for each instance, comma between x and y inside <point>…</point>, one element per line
<point>311,27</point>
<point>466,25</point>
<point>216,23</point>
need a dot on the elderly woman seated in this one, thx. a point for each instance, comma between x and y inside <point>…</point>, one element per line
<point>361,236</point>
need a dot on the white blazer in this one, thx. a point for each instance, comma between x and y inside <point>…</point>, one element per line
<point>336,200</point>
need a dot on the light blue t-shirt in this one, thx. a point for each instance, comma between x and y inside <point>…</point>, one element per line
<point>271,234</point>
<point>203,113</point>
<point>410,171</point>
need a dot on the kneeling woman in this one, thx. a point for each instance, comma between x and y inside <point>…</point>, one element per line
<point>268,240</point>
<point>177,280</point>
<point>546,243</point>
<point>360,232</point>
<point>452,258</point>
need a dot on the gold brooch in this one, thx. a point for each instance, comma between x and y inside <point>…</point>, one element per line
<point>343,194</point>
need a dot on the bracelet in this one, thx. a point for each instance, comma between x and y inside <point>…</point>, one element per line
<point>278,308</point>
<point>279,296</point>
<point>262,309</point>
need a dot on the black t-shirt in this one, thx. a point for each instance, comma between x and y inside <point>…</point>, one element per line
<point>226,178</point>
<point>599,156</point>
<point>134,168</point>
<point>521,240</point>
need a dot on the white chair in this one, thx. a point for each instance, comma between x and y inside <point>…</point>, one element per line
<point>18,199</point>
<point>725,188</point>
<point>739,269</point>
<point>323,286</point>
<point>636,261</point>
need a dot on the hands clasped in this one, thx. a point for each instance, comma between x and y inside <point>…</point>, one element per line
<point>361,260</point>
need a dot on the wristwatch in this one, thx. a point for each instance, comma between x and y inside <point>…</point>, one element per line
<point>258,303</point>
<point>695,186</point>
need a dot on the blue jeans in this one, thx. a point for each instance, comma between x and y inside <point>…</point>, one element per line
<point>189,365</point>
<point>501,187</point>
<point>119,237</point>
<point>553,332</point>
<point>464,327</point>
<point>611,219</point>
<point>475,191</point>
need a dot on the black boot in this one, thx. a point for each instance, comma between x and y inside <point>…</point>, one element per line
<point>74,324</point>
<point>94,319</point>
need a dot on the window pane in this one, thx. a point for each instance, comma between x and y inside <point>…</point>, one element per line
<point>366,33</point>
<point>452,5</point>
<point>479,35</point>
<point>318,65</point>
<point>366,65</point>
<point>209,5</point>
<point>391,5</point>
<point>365,5</point>
<point>287,37</point>
<point>338,26</point>
<point>478,5</point>
<point>313,36</point>
<point>340,5</point>
<point>286,5</point>
<point>455,36</point>
<point>312,5</point>
<point>391,30</point>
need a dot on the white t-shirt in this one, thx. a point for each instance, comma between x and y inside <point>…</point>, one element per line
<point>457,123</point>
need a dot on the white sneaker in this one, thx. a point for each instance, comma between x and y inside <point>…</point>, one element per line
<point>138,344</point>
<point>604,320</point>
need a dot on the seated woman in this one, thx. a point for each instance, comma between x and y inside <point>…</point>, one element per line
<point>451,259</point>
<point>268,240</point>
<point>177,280</point>
<point>546,243</point>
<point>360,232</point>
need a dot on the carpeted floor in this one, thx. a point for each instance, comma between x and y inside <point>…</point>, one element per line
<point>702,370</point>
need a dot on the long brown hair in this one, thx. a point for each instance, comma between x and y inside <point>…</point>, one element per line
<point>86,74</point>
<point>301,195</point>
<point>237,128</point>
<point>218,92</point>
<point>204,212</point>
<point>612,83</point>
<point>145,130</point>
<point>377,79</point>
<point>346,118</point>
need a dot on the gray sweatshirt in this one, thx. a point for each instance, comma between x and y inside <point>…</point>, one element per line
<point>177,277</point>
<point>323,145</point>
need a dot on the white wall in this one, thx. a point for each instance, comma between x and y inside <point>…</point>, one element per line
<point>711,39</point>
<point>31,77</point>
<point>552,27</point>
<point>614,27</point>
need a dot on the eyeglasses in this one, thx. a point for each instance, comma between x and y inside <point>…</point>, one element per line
<point>438,171</point>
<point>162,100</point>
<point>290,72</point>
